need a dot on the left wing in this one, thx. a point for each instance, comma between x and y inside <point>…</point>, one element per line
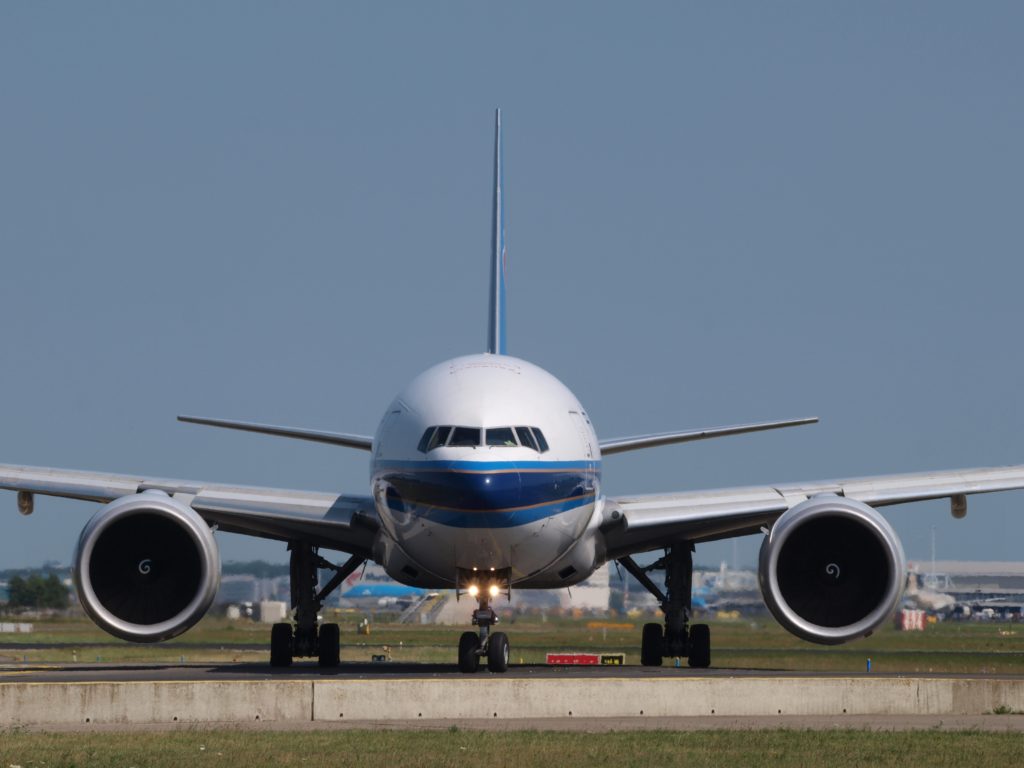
<point>622,444</point>
<point>641,523</point>
<point>330,520</point>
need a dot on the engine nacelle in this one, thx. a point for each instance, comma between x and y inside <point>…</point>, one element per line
<point>147,567</point>
<point>831,569</point>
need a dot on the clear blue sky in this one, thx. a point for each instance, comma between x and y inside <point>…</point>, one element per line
<point>716,213</point>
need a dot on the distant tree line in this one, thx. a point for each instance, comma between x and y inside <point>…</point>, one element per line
<point>62,571</point>
<point>36,591</point>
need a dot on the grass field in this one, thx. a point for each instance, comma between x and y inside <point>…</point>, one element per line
<point>948,647</point>
<point>980,647</point>
<point>368,749</point>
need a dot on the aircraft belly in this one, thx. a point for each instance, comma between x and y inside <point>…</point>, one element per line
<point>437,550</point>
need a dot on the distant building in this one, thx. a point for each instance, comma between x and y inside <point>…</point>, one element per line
<point>971,579</point>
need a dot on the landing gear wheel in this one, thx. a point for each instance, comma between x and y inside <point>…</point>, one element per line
<point>497,652</point>
<point>700,646</point>
<point>469,645</point>
<point>651,645</point>
<point>281,645</point>
<point>329,645</point>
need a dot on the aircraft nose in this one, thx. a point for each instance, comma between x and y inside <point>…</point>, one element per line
<point>491,490</point>
<point>465,490</point>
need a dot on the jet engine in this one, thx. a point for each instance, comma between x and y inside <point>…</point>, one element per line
<point>146,567</point>
<point>831,569</point>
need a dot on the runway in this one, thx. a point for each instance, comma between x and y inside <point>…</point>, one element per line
<point>403,695</point>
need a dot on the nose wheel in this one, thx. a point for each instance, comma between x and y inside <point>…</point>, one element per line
<point>492,646</point>
<point>484,644</point>
<point>469,652</point>
<point>497,652</point>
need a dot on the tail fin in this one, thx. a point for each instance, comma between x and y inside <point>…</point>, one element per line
<point>496,331</point>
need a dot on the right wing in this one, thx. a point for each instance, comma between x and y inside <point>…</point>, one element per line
<point>343,522</point>
<point>641,523</point>
<point>362,442</point>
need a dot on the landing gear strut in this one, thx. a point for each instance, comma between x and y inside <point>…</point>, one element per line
<point>679,637</point>
<point>308,637</point>
<point>484,644</point>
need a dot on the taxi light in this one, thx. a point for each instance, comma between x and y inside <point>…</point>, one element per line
<point>473,590</point>
<point>494,589</point>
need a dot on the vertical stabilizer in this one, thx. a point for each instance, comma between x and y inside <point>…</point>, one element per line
<point>496,331</point>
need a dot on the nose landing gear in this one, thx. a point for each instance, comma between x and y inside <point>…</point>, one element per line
<point>473,646</point>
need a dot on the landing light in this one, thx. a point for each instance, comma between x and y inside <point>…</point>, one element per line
<point>494,589</point>
<point>473,590</point>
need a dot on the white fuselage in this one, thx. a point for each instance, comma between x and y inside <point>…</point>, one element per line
<point>514,485</point>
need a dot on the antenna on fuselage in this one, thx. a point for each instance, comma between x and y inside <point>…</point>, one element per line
<point>496,329</point>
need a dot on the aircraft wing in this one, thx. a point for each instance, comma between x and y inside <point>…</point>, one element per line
<point>640,523</point>
<point>330,520</point>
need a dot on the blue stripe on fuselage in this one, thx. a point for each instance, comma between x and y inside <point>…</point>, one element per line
<point>507,518</point>
<point>486,494</point>
<point>491,466</point>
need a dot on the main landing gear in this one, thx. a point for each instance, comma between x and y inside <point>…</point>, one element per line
<point>679,637</point>
<point>309,638</point>
<point>474,646</point>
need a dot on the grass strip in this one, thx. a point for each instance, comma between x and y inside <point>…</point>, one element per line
<point>367,749</point>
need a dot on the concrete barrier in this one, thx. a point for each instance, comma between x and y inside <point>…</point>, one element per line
<point>154,702</point>
<point>491,697</point>
<point>486,696</point>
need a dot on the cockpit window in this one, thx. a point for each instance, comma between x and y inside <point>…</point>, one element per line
<point>465,436</point>
<point>440,438</point>
<point>541,442</point>
<point>501,436</point>
<point>504,437</point>
<point>526,438</point>
<point>425,440</point>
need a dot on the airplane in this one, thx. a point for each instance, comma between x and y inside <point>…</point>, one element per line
<point>390,591</point>
<point>486,475</point>
<point>926,598</point>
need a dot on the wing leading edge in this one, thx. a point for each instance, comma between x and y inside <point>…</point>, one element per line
<point>639,523</point>
<point>622,444</point>
<point>343,522</point>
<point>362,442</point>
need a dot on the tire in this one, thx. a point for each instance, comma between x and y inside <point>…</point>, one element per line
<point>281,645</point>
<point>651,645</point>
<point>497,652</point>
<point>469,644</point>
<point>700,646</point>
<point>329,645</point>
